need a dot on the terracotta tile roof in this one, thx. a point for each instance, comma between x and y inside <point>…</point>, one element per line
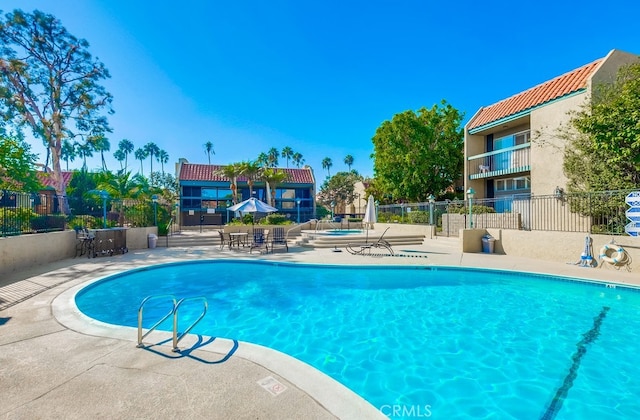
<point>202,172</point>
<point>46,178</point>
<point>570,82</point>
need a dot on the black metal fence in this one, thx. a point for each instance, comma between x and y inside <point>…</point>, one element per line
<point>601,212</point>
<point>23,213</point>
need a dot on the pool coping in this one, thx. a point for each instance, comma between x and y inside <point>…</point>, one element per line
<point>335,397</point>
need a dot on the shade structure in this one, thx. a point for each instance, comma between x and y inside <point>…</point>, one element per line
<point>370,216</point>
<point>252,205</point>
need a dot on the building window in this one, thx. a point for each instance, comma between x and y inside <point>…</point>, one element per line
<point>512,184</point>
<point>512,140</point>
<point>286,193</point>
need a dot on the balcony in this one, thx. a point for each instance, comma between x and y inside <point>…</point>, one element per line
<point>510,160</point>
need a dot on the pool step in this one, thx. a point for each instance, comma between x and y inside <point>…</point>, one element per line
<point>342,241</point>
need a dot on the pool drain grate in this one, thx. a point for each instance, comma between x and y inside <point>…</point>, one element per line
<point>588,338</point>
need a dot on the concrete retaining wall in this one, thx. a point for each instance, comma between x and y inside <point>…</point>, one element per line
<point>20,252</point>
<point>562,247</point>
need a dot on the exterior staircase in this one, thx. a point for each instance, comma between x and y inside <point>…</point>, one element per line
<point>190,238</point>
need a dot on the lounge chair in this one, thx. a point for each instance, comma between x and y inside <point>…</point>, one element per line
<point>365,248</point>
<point>279,238</point>
<point>260,240</point>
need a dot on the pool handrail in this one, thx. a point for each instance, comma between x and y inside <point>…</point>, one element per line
<point>176,337</point>
<point>144,301</point>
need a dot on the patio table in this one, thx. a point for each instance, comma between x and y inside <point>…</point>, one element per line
<point>238,238</point>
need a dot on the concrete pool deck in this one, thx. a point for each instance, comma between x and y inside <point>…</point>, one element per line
<point>56,363</point>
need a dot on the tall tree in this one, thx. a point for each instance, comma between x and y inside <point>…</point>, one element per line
<point>327,164</point>
<point>84,151</point>
<point>163,157</point>
<point>151,149</point>
<point>272,178</point>
<point>263,159</point>
<point>298,160</point>
<point>348,160</point>
<point>208,149</point>
<point>603,138</point>
<point>120,157</point>
<point>339,188</point>
<point>287,153</point>
<point>127,148</point>
<point>272,157</point>
<point>50,82</point>
<point>250,170</point>
<point>68,152</point>
<point>17,164</point>
<point>101,144</point>
<point>416,154</point>
<point>140,154</point>
<point>232,171</point>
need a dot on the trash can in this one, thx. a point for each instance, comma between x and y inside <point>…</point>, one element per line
<point>488,244</point>
<point>153,240</point>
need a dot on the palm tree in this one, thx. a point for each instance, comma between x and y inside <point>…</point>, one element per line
<point>120,157</point>
<point>272,177</point>
<point>208,148</point>
<point>141,155</point>
<point>298,159</point>
<point>250,170</point>
<point>127,148</point>
<point>119,186</point>
<point>272,157</point>
<point>232,171</point>
<point>151,149</point>
<point>327,164</point>
<point>287,153</point>
<point>348,160</point>
<point>101,144</point>
<point>84,150</point>
<point>68,152</point>
<point>163,157</point>
<point>263,159</point>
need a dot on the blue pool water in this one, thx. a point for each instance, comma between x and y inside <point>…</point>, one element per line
<point>416,341</point>
<point>340,232</point>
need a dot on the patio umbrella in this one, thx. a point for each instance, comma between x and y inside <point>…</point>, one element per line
<point>370,216</point>
<point>252,205</point>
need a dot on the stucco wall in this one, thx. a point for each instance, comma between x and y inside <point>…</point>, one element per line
<point>20,252</point>
<point>547,148</point>
<point>561,247</point>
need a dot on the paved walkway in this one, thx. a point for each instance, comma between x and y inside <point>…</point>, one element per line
<point>54,363</point>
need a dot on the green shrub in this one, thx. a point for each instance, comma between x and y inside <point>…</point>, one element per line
<point>476,209</point>
<point>48,223</point>
<point>418,216</point>
<point>276,219</point>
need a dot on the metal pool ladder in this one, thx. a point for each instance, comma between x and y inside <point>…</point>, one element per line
<point>174,311</point>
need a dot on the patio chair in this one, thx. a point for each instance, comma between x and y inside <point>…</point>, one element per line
<point>224,240</point>
<point>366,247</point>
<point>279,238</point>
<point>260,241</point>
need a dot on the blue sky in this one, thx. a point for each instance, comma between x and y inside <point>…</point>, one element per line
<point>320,76</point>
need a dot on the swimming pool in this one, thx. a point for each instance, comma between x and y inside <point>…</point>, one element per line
<point>416,340</point>
<point>339,232</point>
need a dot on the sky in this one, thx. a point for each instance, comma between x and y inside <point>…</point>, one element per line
<point>319,76</point>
